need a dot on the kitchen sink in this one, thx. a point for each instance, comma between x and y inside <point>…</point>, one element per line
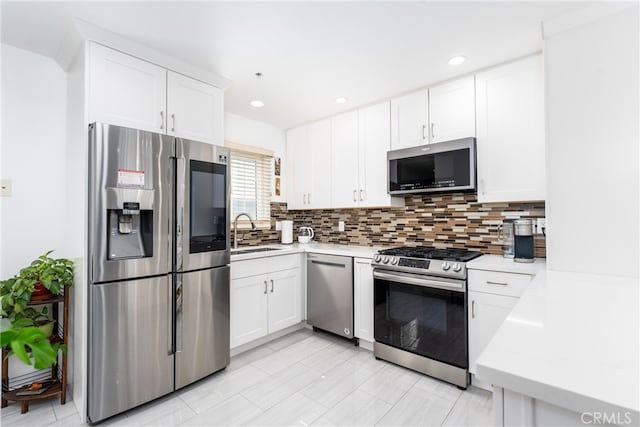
<point>252,250</point>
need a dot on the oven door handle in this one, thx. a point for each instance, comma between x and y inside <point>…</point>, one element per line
<point>419,281</point>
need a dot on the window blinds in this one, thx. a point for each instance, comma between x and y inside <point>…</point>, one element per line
<point>251,181</point>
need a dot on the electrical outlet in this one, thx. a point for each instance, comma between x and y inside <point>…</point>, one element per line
<point>340,225</point>
<point>278,225</point>
<point>541,224</point>
<point>5,188</point>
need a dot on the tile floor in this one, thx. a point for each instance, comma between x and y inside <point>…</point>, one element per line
<point>304,378</point>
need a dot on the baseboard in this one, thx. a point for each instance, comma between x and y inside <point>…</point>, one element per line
<point>268,338</point>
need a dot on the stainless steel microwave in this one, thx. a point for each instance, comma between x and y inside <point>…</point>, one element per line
<point>441,167</point>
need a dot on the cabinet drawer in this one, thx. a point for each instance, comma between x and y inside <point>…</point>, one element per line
<point>253,267</point>
<point>496,282</point>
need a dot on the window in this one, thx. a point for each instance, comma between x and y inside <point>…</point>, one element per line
<point>251,180</point>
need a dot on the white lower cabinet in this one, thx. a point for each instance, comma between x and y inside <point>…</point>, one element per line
<point>267,302</point>
<point>491,296</point>
<point>363,299</point>
<point>486,314</point>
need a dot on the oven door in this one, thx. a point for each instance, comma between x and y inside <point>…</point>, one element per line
<point>422,315</point>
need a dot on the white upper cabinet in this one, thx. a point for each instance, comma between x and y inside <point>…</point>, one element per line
<point>452,110</point>
<point>309,160</point>
<point>511,139</point>
<point>319,134</point>
<point>374,142</point>
<point>130,92</point>
<point>409,120</point>
<point>126,91</point>
<point>345,190</point>
<point>195,109</point>
<point>299,168</point>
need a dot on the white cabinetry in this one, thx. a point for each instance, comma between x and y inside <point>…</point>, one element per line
<point>452,110</point>
<point>442,113</point>
<point>345,191</point>
<point>130,92</point>
<point>359,145</point>
<point>409,120</point>
<point>196,109</point>
<point>363,299</point>
<point>492,295</point>
<point>265,297</point>
<point>126,91</point>
<point>309,160</point>
<point>510,125</point>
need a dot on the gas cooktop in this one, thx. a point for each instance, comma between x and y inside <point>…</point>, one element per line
<point>425,252</point>
<point>425,261</point>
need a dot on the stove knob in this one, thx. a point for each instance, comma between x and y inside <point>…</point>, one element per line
<point>445,266</point>
<point>377,258</point>
<point>394,261</point>
<point>385,260</point>
<point>457,267</point>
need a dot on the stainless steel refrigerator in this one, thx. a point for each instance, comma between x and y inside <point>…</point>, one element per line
<point>159,266</point>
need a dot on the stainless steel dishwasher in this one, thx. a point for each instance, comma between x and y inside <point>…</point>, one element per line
<point>330,293</point>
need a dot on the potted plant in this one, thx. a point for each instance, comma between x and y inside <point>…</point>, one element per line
<point>31,346</point>
<point>32,317</point>
<point>28,335</point>
<point>44,273</point>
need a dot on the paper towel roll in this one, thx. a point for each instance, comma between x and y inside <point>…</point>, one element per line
<point>287,232</point>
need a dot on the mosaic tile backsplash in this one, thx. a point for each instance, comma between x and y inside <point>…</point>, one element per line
<point>454,220</point>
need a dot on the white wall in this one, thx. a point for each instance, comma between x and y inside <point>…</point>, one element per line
<point>258,134</point>
<point>32,155</point>
<point>592,106</point>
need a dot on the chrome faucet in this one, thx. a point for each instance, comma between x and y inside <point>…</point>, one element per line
<point>235,228</point>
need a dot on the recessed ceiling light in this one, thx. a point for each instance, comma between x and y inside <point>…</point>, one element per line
<point>341,100</point>
<point>256,103</point>
<point>457,60</point>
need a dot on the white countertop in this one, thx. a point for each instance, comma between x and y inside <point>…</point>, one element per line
<point>507,265</point>
<point>572,340</point>
<point>313,247</point>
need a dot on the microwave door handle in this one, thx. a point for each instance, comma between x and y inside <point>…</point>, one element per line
<point>180,196</point>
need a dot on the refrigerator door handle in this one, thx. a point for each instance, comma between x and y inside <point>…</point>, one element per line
<point>171,320</point>
<point>180,196</point>
<point>178,344</point>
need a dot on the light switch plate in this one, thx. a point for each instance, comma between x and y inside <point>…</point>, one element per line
<point>278,225</point>
<point>5,188</point>
<point>340,225</point>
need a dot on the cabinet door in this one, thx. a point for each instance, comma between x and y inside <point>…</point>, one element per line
<point>409,120</point>
<point>195,108</point>
<point>511,141</point>
<point>486,314</point>
<point>344,161</point>
<point>374,142</point>
<point>126,91</point>
<point>248,309</point>
<point>319,135</point>
<point>284,299</point>
<point>363,298</point>
<point>299,168</point>
<point>452,110</point>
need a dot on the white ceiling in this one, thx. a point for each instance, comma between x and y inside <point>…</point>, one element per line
<point>309,52</point>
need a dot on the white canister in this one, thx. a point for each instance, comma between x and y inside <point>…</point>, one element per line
<point>286,232</point>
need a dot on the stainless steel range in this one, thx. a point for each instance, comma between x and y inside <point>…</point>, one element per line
<point>420,310</point>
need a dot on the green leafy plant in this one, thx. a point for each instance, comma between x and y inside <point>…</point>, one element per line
<point>31,346</point>
<point>52,273</point>
<point>31,317</point>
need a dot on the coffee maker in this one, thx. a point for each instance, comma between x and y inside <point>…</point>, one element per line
<point>523,240</point>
